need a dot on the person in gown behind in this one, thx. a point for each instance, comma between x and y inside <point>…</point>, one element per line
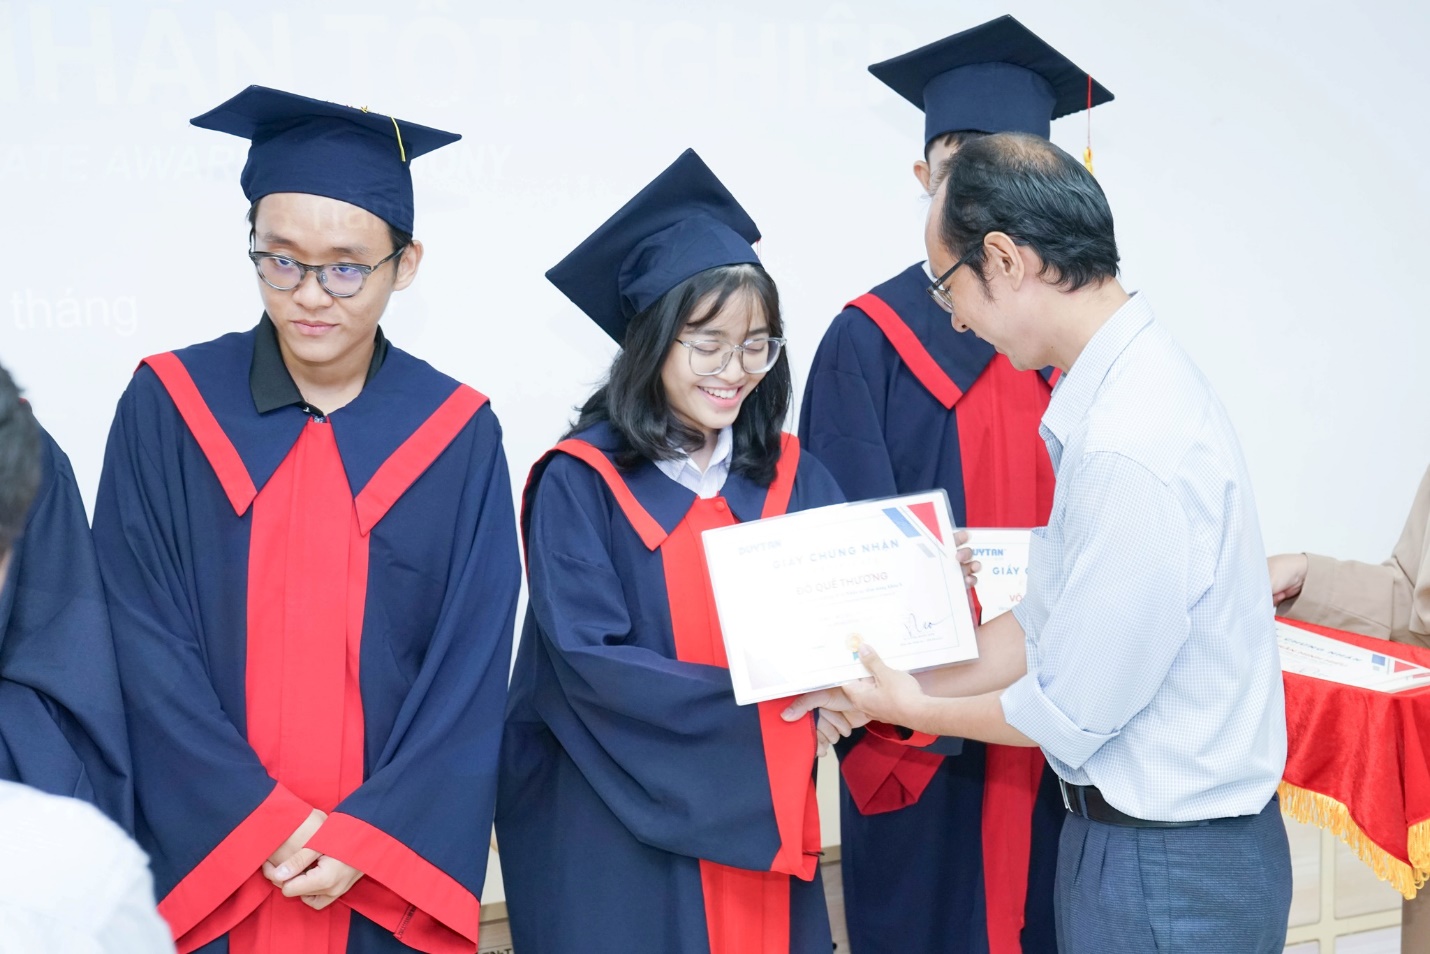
<point>639,808</point>
<point>950,845</point>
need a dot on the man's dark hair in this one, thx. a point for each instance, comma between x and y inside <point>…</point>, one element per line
<point>1036,194</point>
<point>633,398</point>
<point>400,239</point>
<point>19,462</point>
<point>954,139</point>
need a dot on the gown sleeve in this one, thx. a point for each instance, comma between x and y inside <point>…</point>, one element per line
<point>61,716</point>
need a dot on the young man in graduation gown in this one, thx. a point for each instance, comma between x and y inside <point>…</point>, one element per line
<point>308,541</point>
<point>61,716</point>
<point>947,844</point>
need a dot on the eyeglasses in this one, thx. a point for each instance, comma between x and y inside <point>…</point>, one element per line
<point>708,356</point>
<point>341,279</point>
<point>938,292</point>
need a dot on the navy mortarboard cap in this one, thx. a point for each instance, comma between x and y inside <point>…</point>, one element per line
<point>308,145</point>
<point>684,222</point>
<point>996,77</point>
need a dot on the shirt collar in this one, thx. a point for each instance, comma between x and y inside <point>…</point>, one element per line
<point>1076,390</point>
<point>724,446</point>
<point>719,458</point>
<point>271,383</point>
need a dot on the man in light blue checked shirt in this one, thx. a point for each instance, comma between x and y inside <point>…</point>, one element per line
<point>1143,659</point>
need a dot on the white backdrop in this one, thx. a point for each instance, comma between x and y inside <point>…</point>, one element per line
<point>1264,161</point>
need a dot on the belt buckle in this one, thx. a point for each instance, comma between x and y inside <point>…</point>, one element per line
<point>1063,787</point>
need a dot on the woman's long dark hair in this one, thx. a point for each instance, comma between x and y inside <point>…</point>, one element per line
<point>633,397</point>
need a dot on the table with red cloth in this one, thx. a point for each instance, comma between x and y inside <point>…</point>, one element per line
<point>1358,763</point>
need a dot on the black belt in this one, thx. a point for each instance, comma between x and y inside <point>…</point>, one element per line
<point>1087,802</point>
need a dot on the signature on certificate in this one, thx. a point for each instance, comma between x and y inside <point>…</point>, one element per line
<point>915,627</point>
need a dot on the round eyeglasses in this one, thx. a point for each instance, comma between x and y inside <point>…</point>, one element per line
<point>340,279</point>
<point>709,356</point>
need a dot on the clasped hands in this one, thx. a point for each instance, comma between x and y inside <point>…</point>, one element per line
<point>300,872</point>
<point>885,695</point>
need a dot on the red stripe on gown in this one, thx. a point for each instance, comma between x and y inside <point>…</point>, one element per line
<point>746,911</point>
<point>307,588</point>
<point>910,349</point>
<point>1007,482</point>
<point>217,448</point>
<point>882,774</point>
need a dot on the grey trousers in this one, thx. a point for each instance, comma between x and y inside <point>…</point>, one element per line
<point>1223,887</point>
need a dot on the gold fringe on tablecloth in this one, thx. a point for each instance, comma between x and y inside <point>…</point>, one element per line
<point>1325,812</point>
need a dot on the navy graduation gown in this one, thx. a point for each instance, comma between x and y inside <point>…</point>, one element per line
<point>635,794</point>
<point>61,715</point>
<point>310,613</point>
<point>935,851</point>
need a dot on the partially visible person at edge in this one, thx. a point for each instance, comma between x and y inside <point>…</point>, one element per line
<point>70,879</point>
<point>1143,659</point>
<point>309,547</point>
<point>946,845</point>
<point>61,715</point>
<point>641,808</point>
<point>1389,600</point>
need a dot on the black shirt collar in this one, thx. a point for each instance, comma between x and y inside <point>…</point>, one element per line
<point>268,378</point>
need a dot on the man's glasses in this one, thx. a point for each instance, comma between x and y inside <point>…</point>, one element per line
<point>708,356</point>
<point>938,292</point>
<point>341,279</point>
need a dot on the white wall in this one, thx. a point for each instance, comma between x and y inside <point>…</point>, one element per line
<point>1264,161</point>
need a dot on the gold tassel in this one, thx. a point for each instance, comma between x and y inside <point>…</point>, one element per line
<point>1087,159</point>
<point>1313,808</point>
<point>401,149</point>
<point>1419,845</point>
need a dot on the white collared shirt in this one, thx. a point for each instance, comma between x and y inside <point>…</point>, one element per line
<point>706,483</point>
<point>1153,671</point>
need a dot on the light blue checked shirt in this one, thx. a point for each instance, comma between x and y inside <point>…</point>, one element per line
<point>1153,671</point>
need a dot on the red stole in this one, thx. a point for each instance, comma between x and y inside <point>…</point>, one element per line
<point>1007,482</point>
<point>747,912</point>
<point>307,589</point>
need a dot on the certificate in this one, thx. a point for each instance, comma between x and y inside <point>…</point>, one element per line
<point>1321,657</point>
<point>797,594</point>
<point>1003,579</point>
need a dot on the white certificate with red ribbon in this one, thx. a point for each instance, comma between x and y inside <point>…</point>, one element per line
<point>797,594</point>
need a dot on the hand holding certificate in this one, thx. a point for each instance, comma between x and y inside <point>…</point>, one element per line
<point>797,595</point>
<point>1003,574</point>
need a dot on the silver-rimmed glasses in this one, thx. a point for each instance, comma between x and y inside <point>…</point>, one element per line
<point>710,356</point>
